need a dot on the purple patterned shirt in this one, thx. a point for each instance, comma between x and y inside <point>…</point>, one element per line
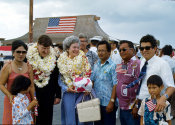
<point>127,73</point>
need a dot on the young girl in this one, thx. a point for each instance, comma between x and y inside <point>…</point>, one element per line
<point>21,109</point>
<point>146,111</point>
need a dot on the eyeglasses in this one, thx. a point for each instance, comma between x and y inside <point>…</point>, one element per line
<point>124,49</point>
<point>146,48</point>
<point>23,52</point>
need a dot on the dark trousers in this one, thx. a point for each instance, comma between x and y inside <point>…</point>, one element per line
<point>45,115</point>
<point>126,118</point>
<point>1,64</point>
<point>45,99</point>
<point>107,118</point>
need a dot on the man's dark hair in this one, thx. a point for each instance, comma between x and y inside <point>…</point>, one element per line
<point>167,50</point>
<point>45,41</point>
<point>155,80</point>
<point>149,38</point>
<point>130,44</point>
<point>18,43</point>
<point>108,46</point>
<point>20,83</point>
<point>60,46</point>
<point>94,42</point>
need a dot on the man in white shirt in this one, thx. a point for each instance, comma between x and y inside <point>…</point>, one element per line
<point>93,42</point>
<point>166,55</point>
<point>155,66</point>
<point>115,55</point>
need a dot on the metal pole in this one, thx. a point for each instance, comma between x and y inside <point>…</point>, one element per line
<point>31,22</point>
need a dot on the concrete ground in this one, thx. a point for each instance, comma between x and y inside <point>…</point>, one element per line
<point>56,114</point>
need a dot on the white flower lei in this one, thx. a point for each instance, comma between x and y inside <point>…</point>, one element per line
<point>70,68</point>
<point>42,68</point>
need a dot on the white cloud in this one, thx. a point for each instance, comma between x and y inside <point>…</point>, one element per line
<point>122,19</point>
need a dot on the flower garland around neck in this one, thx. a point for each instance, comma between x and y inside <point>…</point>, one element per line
<point>71,68</point>
<point>42,68</point>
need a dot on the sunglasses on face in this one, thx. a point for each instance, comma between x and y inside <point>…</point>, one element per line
<point>146,48</point>
<point>23,52</point>
<point>122,50</point>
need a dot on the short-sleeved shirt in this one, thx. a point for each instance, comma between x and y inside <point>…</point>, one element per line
<point>115,56</point>
<point>127,73</point>
<point>152,117</point>
<point>20,113</point>
<point>156,66</point>
<point>104,78</point>
<point>170,61</point>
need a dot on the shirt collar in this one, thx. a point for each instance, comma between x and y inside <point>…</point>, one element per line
<point>150,60</point>
<point>107,61</point>
<point>131,60</point>
<point>166,56</point>
<point>20,95</point>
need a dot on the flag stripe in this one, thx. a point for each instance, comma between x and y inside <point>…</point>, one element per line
<point>151,106</point>
<point>61,25</point>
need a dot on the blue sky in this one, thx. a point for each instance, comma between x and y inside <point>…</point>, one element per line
<point>121,19</point>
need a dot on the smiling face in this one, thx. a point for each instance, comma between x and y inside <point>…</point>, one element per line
<point>43,51</point>
<point>125,52</point>
<point>103,54</point>
<point>147,53</point>
<point>19,54</point>
<point>73,50</point>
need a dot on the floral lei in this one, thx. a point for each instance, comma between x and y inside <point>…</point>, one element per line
<point>71,68</point>
<point>42,68</point>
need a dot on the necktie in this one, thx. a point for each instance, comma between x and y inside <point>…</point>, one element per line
<point>142,74</point>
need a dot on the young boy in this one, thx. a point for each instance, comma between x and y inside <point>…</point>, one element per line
<point>146,111</point>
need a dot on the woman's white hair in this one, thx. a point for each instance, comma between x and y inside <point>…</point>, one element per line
<point>68,41</point>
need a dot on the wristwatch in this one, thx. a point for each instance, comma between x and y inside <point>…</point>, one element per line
<point>166,96</point>
<point>112,100</point>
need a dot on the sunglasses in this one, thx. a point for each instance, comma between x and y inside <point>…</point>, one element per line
<point>146,48</point>
<point>122,50</point>
<point>23,52</point>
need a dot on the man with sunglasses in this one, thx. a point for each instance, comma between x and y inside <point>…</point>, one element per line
<point>155,66</point>
<point>127,72</point>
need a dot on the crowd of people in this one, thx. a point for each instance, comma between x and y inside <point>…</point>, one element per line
<point>136,82</point>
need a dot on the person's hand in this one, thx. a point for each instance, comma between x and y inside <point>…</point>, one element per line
<point>71,90</point>
<point>57,101</point>
<point>10,98</point>
<point>86,93</point>
<point>110,107</point>
<point>34,103</point>
<point>135,112</point>
<point>161,103</point>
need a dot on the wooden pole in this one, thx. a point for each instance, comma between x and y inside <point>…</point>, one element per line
<point>31,22</point>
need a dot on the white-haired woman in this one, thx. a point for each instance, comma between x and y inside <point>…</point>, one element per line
<point>72,62</point>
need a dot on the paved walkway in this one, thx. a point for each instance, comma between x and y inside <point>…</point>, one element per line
<point>56,114</point>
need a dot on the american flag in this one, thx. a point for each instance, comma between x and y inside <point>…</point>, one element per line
<point>61,25</point>
<point>121,69</point>
<point>151,106</point>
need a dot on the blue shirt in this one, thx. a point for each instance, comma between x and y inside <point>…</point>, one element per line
<point>92,58</point>
<point>104,78</point>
